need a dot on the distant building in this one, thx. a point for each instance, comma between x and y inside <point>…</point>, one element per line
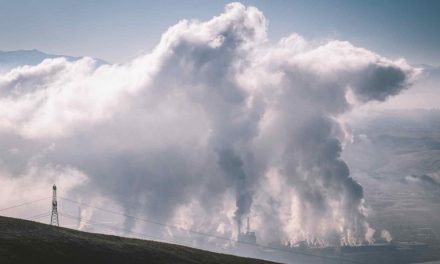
<point>248,236</point>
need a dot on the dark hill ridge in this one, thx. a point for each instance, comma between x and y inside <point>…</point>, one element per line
<point>24,241</point>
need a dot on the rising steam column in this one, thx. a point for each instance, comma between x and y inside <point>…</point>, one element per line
<point>54,216</point>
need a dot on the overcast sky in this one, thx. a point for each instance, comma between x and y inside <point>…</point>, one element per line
<point>118,31</point>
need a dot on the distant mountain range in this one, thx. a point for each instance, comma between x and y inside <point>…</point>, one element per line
<point>12,59</point>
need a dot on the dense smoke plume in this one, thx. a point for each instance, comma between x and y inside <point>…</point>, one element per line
<point>215,124</point>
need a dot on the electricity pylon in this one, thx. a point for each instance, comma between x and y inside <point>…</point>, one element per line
<point>54,216</point>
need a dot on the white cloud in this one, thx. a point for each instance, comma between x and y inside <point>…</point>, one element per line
<point>214,109</point>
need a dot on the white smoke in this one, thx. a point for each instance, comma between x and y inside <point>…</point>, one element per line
<point>386,235</point>
<point>214,111</point>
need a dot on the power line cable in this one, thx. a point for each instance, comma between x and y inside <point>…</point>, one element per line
<point>38,216</point>
<point>150,221</point>
<point>213,236</point>
<point>143,235</point>
<point>108,226</point>
<point>35,217</point>
<point>26,203</point>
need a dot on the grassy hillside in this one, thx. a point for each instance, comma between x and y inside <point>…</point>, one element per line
<point>23,241</point>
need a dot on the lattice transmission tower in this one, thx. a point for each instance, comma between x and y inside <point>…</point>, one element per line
<point>54,216</point>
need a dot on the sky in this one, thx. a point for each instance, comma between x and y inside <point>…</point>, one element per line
<point>118,31</point>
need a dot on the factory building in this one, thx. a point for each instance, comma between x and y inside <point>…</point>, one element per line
<point>248,236</point>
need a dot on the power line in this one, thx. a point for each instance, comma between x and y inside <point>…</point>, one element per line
<point>150,221</point>
<point>26,203</point>
<point>211,235</point>
<point>38,216</point>
<point>107,226</point>
<point>143,235</point>
<point>35,217</point>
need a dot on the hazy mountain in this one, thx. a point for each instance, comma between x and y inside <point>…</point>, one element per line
<point>12,59</point>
